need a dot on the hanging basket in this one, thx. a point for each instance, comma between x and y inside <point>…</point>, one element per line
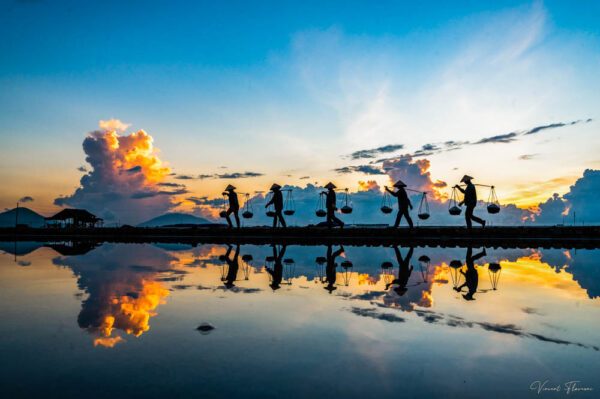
<point>346,264</point>
<point>453,207</point>
<point>386,209</point>
<point>386,203</point>
<point>289,207</point>
<point>247,258</point>
<point>423,213</point>
<point>270,212</point>
<point>223,214</point>
<point>347,208</point>
<point>424,258</point>
<point>493,206</point>
<point>320,210</point>
<point>248,211</point>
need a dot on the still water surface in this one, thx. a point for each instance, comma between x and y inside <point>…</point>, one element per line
<point>120,320</point>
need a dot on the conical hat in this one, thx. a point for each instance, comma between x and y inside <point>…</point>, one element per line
<point>229,188</point>
<point>275,186</point>
<point>399,183</point>
<point>330,185</point>
<point>466,178</point>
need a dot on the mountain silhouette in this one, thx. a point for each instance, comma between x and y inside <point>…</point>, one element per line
<point>172,218</point>
<point>26,216</point>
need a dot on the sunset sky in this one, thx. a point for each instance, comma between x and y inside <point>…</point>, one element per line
<point>295,93</point>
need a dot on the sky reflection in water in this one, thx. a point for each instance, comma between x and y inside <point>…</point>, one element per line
<point>282,331</point>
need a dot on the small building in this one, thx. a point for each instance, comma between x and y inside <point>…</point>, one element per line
<point>74,218</point>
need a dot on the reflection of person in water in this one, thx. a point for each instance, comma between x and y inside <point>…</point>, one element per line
<point>471,276</point>
<point>233,268</point>
<point>470,201</point>
<point>234,205</point>
<point>403,203</point>
<point>277,271</point>
<point>330,271</point>
<point>404,271</point>
<point>277,202</point>
<point>331,206</point>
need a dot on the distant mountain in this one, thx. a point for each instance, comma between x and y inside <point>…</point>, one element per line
<point>173,218</point>
<point>26,216</point>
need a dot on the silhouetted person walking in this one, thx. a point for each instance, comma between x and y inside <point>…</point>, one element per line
<point>470,201</point>
<point>471,276</point>
<point>234,205</point>
<point>403,203</point>
<point>330,271</point>
<point>233,266</point>
<point>277,271</point>
<point>331,205</point>
<point>277,201</point>
<point>404,271</point>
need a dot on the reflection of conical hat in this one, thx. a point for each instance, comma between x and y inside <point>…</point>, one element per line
<point>330,185</point>
<point>275,186</point>
<point>229,188</point>
<point>466,179</point>
<point>399,183</point>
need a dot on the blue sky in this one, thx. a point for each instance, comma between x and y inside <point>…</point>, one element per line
<point>291,89</point>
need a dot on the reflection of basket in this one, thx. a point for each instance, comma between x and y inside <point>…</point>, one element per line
<point>223,214</point>
<point>247,258</point>
<point>455,210</point>
<point>387,265</point>
<point>386,209</point>
<point>346,210</point>
<point>321,213</point>
<point>289,212</point>
<point>247,215</point>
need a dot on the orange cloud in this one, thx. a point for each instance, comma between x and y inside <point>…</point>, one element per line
<point>114,124</point>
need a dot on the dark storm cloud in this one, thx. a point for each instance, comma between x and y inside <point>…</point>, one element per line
<point>206,201</point>
<point>366,169</point>
<point>372,153</point>
<point>501,138</point>
<point>27,198</point>
<point>135,169</point>
<point>170,185</point>
<point>238,175</point>
<point>150,194</point>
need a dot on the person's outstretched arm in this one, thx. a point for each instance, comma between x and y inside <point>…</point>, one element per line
<point>338,252</point>
<point>462,190</point>
<point>228,252</point>
<point>398,254</point>
<point>479,255</point>
<point>281,253</point>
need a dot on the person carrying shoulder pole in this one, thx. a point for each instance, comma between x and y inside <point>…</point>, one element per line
<point>234,205</point>
<point>277,201</point>
<point>331,205</point>
<point>470,200</point>
<point>403,203</point>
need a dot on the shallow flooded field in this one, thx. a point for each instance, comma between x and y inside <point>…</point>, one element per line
<point>141,320</point>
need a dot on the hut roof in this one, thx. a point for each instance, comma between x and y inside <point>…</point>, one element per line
<point>79,214</point>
